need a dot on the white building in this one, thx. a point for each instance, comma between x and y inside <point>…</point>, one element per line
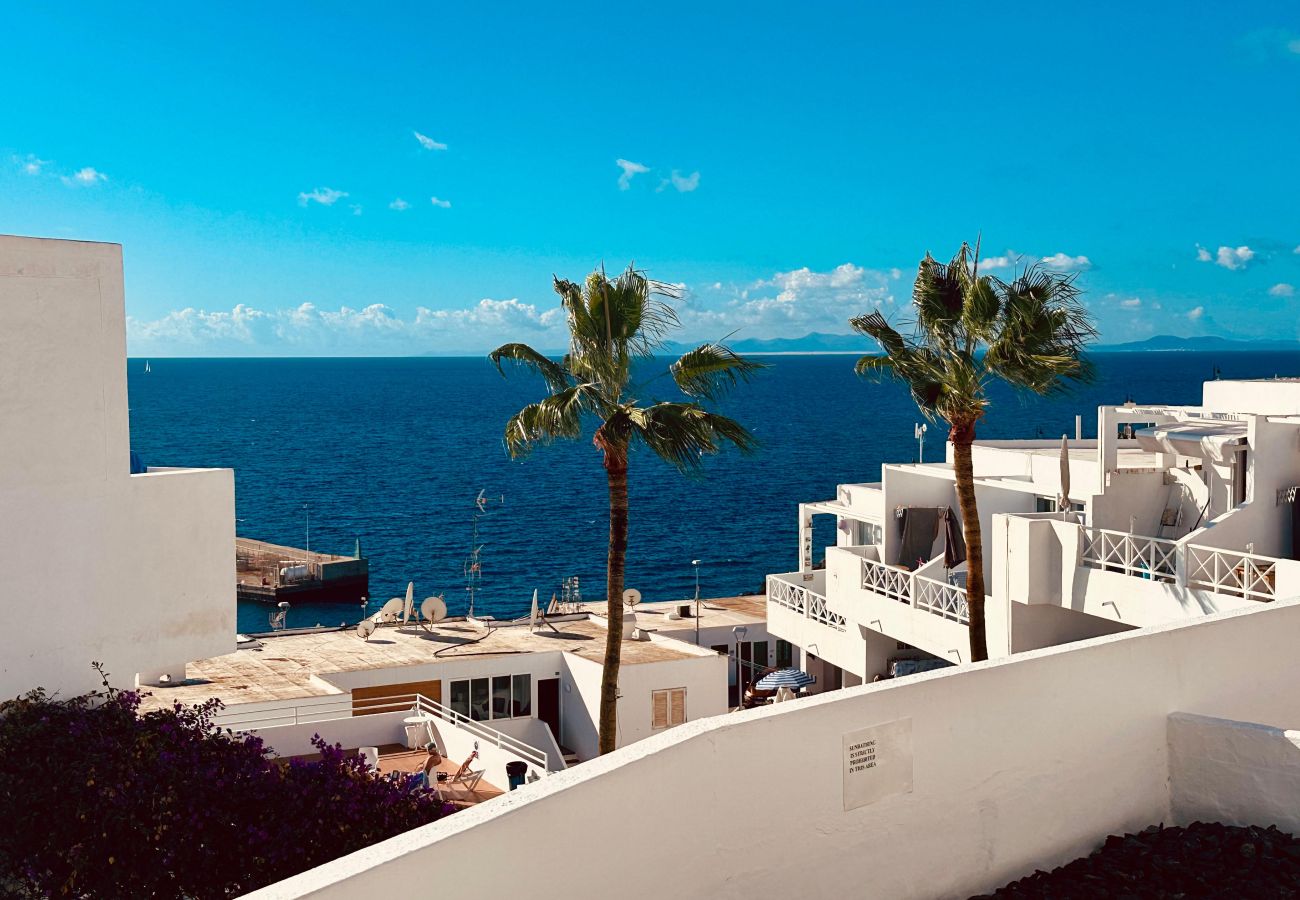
<point>1176,512</point>
<point>133,571</point>
<point>539,686</point>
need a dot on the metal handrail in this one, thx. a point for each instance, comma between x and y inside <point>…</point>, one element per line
<point>347,707</point>
<point>486,732</point>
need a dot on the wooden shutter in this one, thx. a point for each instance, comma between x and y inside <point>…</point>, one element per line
<point>677,712</point>
<point>659,711</point>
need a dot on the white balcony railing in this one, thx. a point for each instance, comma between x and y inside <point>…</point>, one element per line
<point>803,600</point>
<point>1131,554</point>
<point>942,599</point>
<point>888,581</point>
<point>1231,572</point>
<point>345,707</point>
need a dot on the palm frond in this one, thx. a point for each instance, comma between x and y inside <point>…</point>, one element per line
<point>551,418</point>
<point>710,370</point>
<point>555,374</point>
<point>682,433</point>
<point>1043,333</point>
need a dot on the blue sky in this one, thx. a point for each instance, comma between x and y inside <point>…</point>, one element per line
<point>787,163</point>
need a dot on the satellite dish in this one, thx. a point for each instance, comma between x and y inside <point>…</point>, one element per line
<point>433,609</point>
<point>365,629</point>
<point>390,610</point>
<point>408,608</point>
<point>631,597</point>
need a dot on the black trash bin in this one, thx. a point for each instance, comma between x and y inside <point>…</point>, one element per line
<point>515,771</point>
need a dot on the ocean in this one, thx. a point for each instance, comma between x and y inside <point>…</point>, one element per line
<point>393,452</point>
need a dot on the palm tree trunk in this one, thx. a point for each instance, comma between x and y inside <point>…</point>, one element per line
<point>616,474</point>
<point>962,436</point>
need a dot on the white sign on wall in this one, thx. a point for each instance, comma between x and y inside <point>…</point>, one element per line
<point>877,763</point>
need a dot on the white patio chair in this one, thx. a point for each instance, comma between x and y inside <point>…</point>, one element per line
<point>371,756</point>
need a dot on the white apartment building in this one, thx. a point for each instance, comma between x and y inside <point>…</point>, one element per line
<point>130,570</point>
<point>1175,512</point>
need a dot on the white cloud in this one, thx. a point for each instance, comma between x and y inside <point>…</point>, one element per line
<point>1296,250</point>
<point>428,143</point>
<point>83,177</point>
<point>1133,303</point>
<point>323,196</point>
<point>1231,258</point>
<point>399,204</point>
<point>1196,313</point>
<point>1057,262</point>
<point>1293,45</point>
<point>444,204</point>
<point>629,169</point>
<point>31,163</point>
<point>1064,262</point>
<point>1006,261</point>
<point>307,329</point>
<point>684,184</point>
<point>788,304</point>
<point>1282,290</point>
<point>356,208</point>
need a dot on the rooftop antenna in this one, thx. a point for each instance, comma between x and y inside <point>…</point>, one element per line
<point>918,432</point>
<point>474,562</point>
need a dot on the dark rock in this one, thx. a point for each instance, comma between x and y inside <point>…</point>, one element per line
<point>1203,860</point>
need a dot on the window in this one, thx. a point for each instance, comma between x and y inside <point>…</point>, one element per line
<point>501,697</point>
<point>460,697</point>
<point>478,699</point>
<point>784,654</point>
<point>498,697</point>
<point>522,695</point>
<point>667,708</point>
<point>869,533</point>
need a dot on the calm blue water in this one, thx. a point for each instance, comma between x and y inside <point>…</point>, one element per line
<point>393,451</point>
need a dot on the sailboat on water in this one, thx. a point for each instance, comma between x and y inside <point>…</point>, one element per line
<point>147,369</point>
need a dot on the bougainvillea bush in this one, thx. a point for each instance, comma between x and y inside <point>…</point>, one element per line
<point>101,800</point>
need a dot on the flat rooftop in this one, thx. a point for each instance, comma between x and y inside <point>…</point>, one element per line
<point>285,666</point>
<point>715,612</point>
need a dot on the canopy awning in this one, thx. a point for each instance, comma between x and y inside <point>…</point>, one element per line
<point>1216,440</point>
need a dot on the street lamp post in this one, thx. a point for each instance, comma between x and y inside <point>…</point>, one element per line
<point>696,564</point>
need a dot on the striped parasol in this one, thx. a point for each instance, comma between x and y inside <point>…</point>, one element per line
<point>790,678</point>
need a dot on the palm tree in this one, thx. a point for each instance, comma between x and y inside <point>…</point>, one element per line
<point>612,325</point>
<point>971,329</point>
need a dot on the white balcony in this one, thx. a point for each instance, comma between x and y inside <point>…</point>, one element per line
<point>1132,578</point>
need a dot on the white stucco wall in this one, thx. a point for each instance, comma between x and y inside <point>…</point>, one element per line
<point>1238,773</point>
<point>1017,764</point>
<point>135,571</point>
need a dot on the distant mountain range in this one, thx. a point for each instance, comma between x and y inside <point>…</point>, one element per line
<point>1169,342</point>
<point>820,342</point>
